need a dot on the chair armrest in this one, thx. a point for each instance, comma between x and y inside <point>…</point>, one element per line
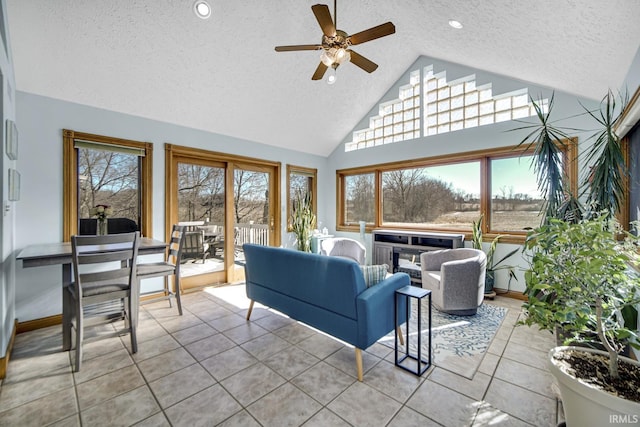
<point>375,307</point>
<point>458,273</point>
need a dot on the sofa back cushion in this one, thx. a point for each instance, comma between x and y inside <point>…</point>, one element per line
<point>328,282</point>
<point>374,274</point>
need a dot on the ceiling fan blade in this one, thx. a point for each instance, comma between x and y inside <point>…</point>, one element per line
<point>372,33</point>
<point>319,72</point>
<point>321,11</point>
<point>298,47</point>
<point>362,62</point>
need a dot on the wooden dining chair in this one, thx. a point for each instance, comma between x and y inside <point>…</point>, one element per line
<point>170,267</point>
<point>104,273</point>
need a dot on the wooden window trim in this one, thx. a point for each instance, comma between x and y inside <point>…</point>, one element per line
<point>70,179</point>
<point>176,153</point>
<point>313,174</point>
<point>570,155</point>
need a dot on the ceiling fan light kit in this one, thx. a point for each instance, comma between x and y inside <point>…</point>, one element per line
<point>336,44</point>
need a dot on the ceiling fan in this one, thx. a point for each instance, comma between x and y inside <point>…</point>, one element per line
<point>336,43</point>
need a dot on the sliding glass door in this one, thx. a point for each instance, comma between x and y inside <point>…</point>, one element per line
<point>223,201</point>
<point>252,209</point>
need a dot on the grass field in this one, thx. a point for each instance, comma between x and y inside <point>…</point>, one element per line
<point>500,221</point>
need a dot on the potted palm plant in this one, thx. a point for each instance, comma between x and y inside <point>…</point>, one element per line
<point>492,266</point>
<point>580,280</point>
<point>303,220</point>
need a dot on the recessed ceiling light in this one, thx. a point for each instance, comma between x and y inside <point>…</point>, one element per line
<point>455,24</point>
<point>202,9</point>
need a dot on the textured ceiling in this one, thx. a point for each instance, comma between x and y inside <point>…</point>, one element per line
<point>156,59</point>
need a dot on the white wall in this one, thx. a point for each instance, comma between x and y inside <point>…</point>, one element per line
<point>8,217</point>
<point>39,220</point>
<point>483,137</point>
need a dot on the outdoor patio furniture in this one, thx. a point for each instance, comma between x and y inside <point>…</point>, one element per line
<point>194,246</point>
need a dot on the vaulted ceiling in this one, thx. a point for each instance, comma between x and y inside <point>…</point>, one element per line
<point>156,59</point>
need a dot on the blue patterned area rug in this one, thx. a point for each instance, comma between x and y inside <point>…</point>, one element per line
<point>459,342</point>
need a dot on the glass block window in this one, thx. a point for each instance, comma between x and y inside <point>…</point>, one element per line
<point>397,120</point>
<point>460,104</point>
<point>446,107</point>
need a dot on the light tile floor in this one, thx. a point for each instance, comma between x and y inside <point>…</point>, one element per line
<point>211,367</point>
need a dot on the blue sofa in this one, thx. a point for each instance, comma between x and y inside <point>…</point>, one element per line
<point>328,293</point>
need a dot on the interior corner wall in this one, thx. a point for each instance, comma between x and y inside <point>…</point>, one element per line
<point>566,107</point>
<point>8,217</point>
<point>41,120</point>
<point>632,81</point>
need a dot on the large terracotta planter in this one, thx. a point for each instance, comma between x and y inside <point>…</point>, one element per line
<point>586,406</point>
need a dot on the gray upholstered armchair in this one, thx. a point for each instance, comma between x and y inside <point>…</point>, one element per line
<point>455,278</point>
<point>345,248</point>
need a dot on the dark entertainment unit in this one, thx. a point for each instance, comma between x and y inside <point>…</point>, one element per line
<point>401,249</point>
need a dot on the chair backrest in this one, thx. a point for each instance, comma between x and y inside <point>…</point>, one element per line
<point>175,245</point>
<point>104,261</point>
<point>193,244</point>
<point>344,247</point>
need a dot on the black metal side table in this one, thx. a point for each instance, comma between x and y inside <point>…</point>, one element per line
<point>409,293</point>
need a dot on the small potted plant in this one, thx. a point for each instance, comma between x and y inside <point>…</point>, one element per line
<point>303,220</point>
<point>492,266</point>
<point>580,279</point>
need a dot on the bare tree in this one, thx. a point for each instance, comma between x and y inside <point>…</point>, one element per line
<point>250,195</point>
<point>200,193</point>
<point>360,198</point>
<point>410,195</point>
<point>108,178</point>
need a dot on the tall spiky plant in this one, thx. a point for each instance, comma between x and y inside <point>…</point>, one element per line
<point>303,219</point>
<point>605,184</point>
<point>548,141</point>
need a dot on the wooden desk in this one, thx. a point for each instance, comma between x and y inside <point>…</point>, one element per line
<point>60,254</point>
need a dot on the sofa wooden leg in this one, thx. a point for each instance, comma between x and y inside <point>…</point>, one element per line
<point>400,337</point>
<point>359,363</point>
<point>250,309</point>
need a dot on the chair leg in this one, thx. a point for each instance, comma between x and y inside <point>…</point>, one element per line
<point>400,337</point>
<point>250,309</point>
<point>176,283</point>
<point>359,363</point>
<point>79,336</point>
<point>132,316</point>
<point>67,313</point>
<point>167,290</point>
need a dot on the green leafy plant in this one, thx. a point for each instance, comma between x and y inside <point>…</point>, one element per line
<point>605,184</point>
<point>547,141</point>
<point>492,267</point>
<point>578,280</point>
<point>303,220</point>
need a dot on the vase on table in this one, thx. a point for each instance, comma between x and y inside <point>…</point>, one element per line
<point>101,228</point>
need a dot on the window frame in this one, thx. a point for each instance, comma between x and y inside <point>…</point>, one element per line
<point>570,161</point>
<point>70,179</point>
<point>312,173</point>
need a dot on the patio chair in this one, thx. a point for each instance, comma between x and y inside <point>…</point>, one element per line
<point>194,246</point>
<point>102,277</point>
<point>170,267</point>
